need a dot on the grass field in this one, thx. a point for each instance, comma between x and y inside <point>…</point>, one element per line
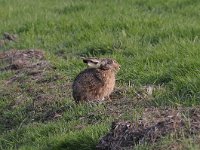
<point>156,42</point>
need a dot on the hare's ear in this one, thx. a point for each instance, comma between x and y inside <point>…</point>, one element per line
<point>92,62</point>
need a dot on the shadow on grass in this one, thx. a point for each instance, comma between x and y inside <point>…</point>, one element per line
<point>83,142</point>
<point>97,51</point>
<point>86,139</point>
<point>71,9</point>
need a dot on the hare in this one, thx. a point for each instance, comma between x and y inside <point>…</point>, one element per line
<point>97,81</point>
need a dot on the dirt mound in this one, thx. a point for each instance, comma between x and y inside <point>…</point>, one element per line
<point>31,63</point>
<point>16,59</point>
<point>33,85</point>
<point>154,124</point>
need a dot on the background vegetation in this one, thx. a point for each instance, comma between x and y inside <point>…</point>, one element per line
<point>156,42</point>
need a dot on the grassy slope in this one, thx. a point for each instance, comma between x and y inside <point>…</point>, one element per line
<point>156,42</point>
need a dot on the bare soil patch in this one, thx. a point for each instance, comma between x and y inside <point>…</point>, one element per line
<point>28,59</point>
<point>124,99</point>
<point>154,124</point>
<point>35,86</point>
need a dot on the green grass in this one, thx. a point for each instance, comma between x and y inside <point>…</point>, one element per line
<point>155,41</point>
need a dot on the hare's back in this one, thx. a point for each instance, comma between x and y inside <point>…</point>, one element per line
<point>88,79</point>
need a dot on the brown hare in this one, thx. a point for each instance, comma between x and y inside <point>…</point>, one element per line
<point>96,82</point>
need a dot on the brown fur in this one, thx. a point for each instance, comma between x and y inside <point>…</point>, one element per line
<point>97,82</point>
